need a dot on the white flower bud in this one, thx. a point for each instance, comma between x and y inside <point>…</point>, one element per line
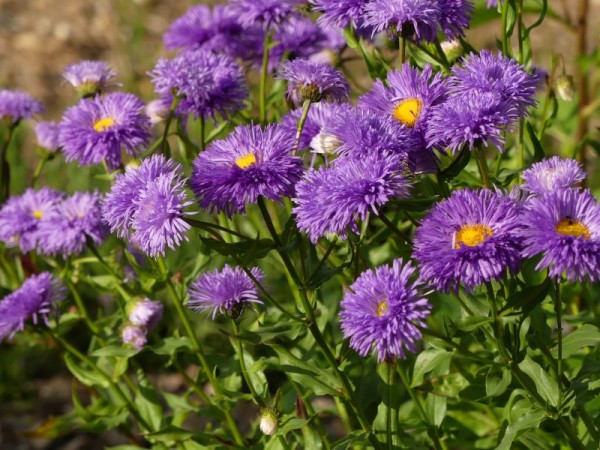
<point>268,422</point>
<point>452,49</point>
<point>565,88</point>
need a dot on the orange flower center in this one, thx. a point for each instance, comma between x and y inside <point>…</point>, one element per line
<point>472,235</point>
<point>104,124</point>
<point>571,227</point>
<point>407,111</point>
<point>243,162</point>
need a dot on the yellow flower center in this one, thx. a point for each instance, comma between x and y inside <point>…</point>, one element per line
<point>382,307</point>
<point>570,227</point>
<point>407,111</point>
<point>243,162</point>
<point>104,124</point>
<point>472,235</point>
<point>37,214</point>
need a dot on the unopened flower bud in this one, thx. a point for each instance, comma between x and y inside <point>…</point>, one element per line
<point>323,143</point>
<point>134,336</point>
<point>268,421</point>
<point>146,314</point>
<point>157,111</point>
<point>565,88</point>
<point>452,49</point>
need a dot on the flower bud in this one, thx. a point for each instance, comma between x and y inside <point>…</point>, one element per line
<point>146,314</point>
<point>452,49</point>
<point>134,336</point>
<point>268,421</point>
<point>565,88</point>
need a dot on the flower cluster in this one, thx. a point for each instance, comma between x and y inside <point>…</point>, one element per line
<point>144,315</point>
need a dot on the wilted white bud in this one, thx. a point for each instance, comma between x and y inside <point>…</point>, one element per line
<point>452,49</point>
<point>323,143</point>
<point>268,421</point>
<point>565,87</point>
<point>156,111</point>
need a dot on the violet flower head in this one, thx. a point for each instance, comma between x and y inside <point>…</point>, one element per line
<point>268,14</point>
<point>551,175</point>
<point>98,129</point>
<point>455,18</point>
<point>90,77</point>
<point>224,291</point>
<point>47,135</point>
<point>313,81</point>
<point>332,200</point>
<point>249,163</point>
<point>16,105</point>
<point>383,311</point>
<point>207,83</point>
<point>408,18</point>
<point>146,314</point>
<point>563,227</point>
<point>134,336</point>
<point>468,238</point>
<point>193,29</point>
<point>67,227</point>
<point>21,215</point>
<point>471,119</point>
<point>341,13</point>
<point>32,301</point>
<point>489,73</point>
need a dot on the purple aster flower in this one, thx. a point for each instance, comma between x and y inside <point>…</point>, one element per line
<point>489,73</point>
<point>21,216</point>
<point>47,135</point>
<point>158,220</point>
<point>313,81</point>
<point>16,105</point>
<point>409,18</point>
<point>469,238</point>
<point>455,18</point>
<point>564,227</point>
<point>266,13</point>
<point>90,77</point>
<point>224,291</point>
<point>33,300</point>
<point>551,175</point>
<point>249,163</point>
<point>319,116</point>
<point>384,310</point>
<point>120,204</point>
<point>208,84</point>
<point>134,336</point>
<point>97,129</point>
<point>146,314</point>
<point>472,119</point>
<point>332,200</point>
<point>65,229</point>
<point>341,13</point>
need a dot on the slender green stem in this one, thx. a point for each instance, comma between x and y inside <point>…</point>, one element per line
<point>483,168</point>
<point>389,372</point>
<point>39,168</point>
<point>4,166</point>
<point>520,30</point>
<point>301,122</point>
<point>443,60</point>
<point>202,121</point>
<point>394,229</point>
<point>164,141</point>
<point>81,306</point>
<point>559,329</point>
<point>402,49</point>
<point>264,73</point>
<point>324,258</point>
<point>239,349</point>
<point>207,226</point>
<point>505,41</point>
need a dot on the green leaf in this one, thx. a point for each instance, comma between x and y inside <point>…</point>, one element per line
<point>355,437</point>
<point>538,150</point>
<point>171,345</point>
<point>87,376</point>
<point>148,403</point>
<point>471,323</point>
<point>247,251</point>
<point>457,165</point>
<point>415,204</point>
<point>528,298</point>
<point>256,375</point>
<point>115,350</point>
<point>587,335</point>
<point>262,335</point>
<point>497,381</point>
<point>436,407</point>
<point>432,359</point>
<point>291,423</point>
<point>546,386</point>
<point>525,422</point>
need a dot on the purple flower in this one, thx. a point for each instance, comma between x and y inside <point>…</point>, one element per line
<point>33,300</point>
<point>472,119</point>
<point>65,229</point>
<point>146,314</point>
<point>21,216</point>
<point>469,238</point>
<point>146,204</point>
<point>564,228</point>
<point>249,163</point>
<point>96,130</point>
<point>409,18</point>
<point>207,83</point>
<point>552,174</point>
<point>90,77</point>
<point>456,15</point>
<point>314,81</point>
<point>265,13</point>
<point>225,292</point>
<point>47,135</point>
<point>332,200</point>
<point>384,310</point>
<point>16,105</point>
<point>134,336</point>
<point>497,74</point>
<point>341,13</point>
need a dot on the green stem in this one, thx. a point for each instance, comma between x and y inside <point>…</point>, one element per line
<point>402,49</point>
<point>4,166</point>
<point>442,56</point>
<point>483,168</point>
<point>559,362</point>
<point>301,122</point>
<point>520,30</point>
<point>202,132</point>
<point>505,42</point>
<point>264,71</point>
<point>81,306</point>
<point>164,141</point>
<point>394,229</point>
<point>207,226</point>
<point>389,371</point>
<point>39,168</point>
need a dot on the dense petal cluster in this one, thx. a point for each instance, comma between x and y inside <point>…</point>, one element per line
<point>313,81</point>
<point>47,134</point>
<point>32,301</point>
<point>408,18</point>
<point>564,228</point>
<point>224,291</point>
<point>341,13</point>
<point>98,129</point>
<point>384,310</point>
<point>269,14</point>
<point>207,84</point>
<point>455,18</point>
<point>146,313</point>
<point>249,163</point>
<point>469,238</point>
<point>552,174</point>
<point>16,105</point>
<point>332,200</point>
<point>147,205</point>
<point>90,77</point>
